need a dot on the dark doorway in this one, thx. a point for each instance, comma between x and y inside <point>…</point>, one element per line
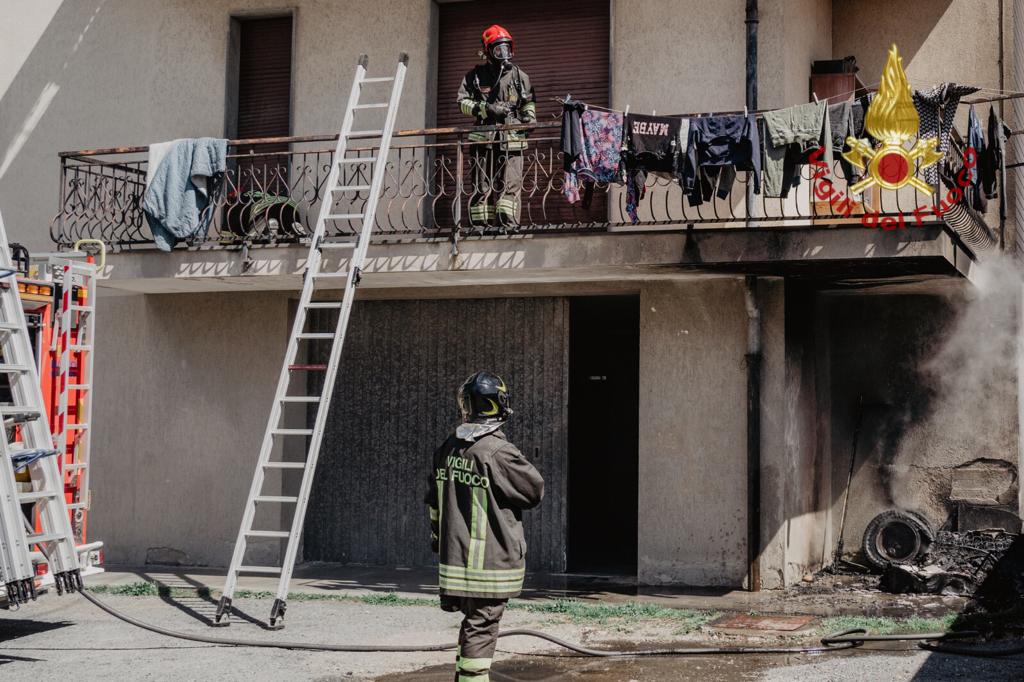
<point>604,356</point>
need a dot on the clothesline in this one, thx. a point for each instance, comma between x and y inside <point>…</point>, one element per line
<point>998,96</point>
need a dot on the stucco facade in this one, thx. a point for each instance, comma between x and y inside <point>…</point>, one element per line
<point>191,342</point>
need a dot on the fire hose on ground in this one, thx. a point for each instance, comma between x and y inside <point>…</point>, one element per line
<point>839,641</point>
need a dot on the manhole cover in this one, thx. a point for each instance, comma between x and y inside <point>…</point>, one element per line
<point>743,621</point>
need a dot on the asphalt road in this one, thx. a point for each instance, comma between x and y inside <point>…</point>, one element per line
<point>66,637</point>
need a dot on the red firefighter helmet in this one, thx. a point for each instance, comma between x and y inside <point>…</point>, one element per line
<point>496,34</point>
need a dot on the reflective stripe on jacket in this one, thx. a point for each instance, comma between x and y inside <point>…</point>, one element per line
<point>478,490</point>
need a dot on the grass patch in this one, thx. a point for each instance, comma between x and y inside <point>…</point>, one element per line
<point>143,588</point>
<point>580,612</point>
<point>620,615</point>
<point>137,589</point>
<point>880,625</point>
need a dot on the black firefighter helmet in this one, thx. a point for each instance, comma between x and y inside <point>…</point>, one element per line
<point>483,398</point>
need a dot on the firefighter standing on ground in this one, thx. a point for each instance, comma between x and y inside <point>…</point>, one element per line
<point>497,92</point>
<point>479,486</point>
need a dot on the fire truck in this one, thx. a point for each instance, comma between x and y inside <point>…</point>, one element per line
<point>57,293</point>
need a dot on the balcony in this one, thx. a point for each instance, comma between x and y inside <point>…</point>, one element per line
<point>273,188</point>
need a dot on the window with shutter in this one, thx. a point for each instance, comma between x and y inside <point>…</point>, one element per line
<point>263,101</point>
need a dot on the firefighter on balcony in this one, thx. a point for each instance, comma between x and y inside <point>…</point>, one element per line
<point>478,488</point>
<point>497,92</point>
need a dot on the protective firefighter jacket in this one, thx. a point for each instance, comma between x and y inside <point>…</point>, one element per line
<point>478,491</point>
<point>486,83</point>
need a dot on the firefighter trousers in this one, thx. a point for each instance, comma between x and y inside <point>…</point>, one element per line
<point>478,638</point>
<point>497,186</point>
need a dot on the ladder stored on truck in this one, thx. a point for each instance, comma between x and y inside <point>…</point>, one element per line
<point>75,338</point>
<point>27,443</point>
<point>293,384</point>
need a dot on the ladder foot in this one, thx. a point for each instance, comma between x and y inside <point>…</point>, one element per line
<point>223,617</point>
<point>277,614</point>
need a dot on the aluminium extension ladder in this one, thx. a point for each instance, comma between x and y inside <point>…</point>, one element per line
<point>291,371</point>
<point>35,450</point>
<point>75,337</point>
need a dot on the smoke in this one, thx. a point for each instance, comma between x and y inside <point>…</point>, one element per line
<point>969,378</point>
<point>978,352</point>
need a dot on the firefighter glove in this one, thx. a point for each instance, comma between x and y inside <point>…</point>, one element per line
<point>497,110</point>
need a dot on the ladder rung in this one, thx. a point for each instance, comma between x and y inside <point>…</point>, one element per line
<point>13,369</point>
<point>337,245</point>
<point>79,387</point>
<point>329,275</point>
<point>376,105</point>
<point>76,427</point>
<point>300,399</point>
<point>259,569</point>
<point>78,505</point>
<point>312,368</point>
<point>283,499</point>
<point>365,133</point>
<point>267,533</point>
<point>82,308</point>
<point>78,348</point>
<point>19,409</point>
<point>9,327</point>
<point>36,495</point>
<point>358,159</point>
<point>344,216</point>
<point>324,304</point>
<point>44,537</point>
<point>379,79</point>
<point>75,465</point>
<point>352,188</point>
<point>315,335</point>
<point>285,465</point>
<point>292,432</point>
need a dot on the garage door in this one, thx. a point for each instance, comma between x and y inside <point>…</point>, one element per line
<point>395,403</point>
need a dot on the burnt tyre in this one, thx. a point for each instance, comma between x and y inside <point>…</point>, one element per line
<point>897,537</point>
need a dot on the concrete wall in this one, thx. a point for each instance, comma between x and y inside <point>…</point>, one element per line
<point>692,517</point>
<point>183,386</point>
<point>131,72</point>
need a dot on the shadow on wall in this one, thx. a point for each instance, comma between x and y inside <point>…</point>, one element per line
<point>938,421</point>
<point>24,123</point>
<point>866,28</point>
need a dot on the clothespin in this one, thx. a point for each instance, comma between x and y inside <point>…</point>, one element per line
<point>815,97</point>
<point>653,112</point>
<point>627,110</point>
<point>745,114</point>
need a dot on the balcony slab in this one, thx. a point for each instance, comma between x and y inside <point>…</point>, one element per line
<point>820,252</point>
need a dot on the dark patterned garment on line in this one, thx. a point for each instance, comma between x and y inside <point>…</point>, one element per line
<point>936,108</point>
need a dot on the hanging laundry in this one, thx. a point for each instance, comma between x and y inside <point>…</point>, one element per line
<point>600,153</point>
<point>976,141</point>
<point>991,161</point>
<point>936,108</point>
<point>652,145</point>
<point>790,135</point>
<point>859,109</point>
<point>843,126</point>
<point>572,133</point>
<point>718,146</point>
<point>179,181</point>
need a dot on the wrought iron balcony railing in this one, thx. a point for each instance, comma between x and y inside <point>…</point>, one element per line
<point>272,190</point>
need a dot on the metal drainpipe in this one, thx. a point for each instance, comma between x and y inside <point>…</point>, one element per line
<point>753,356</point>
